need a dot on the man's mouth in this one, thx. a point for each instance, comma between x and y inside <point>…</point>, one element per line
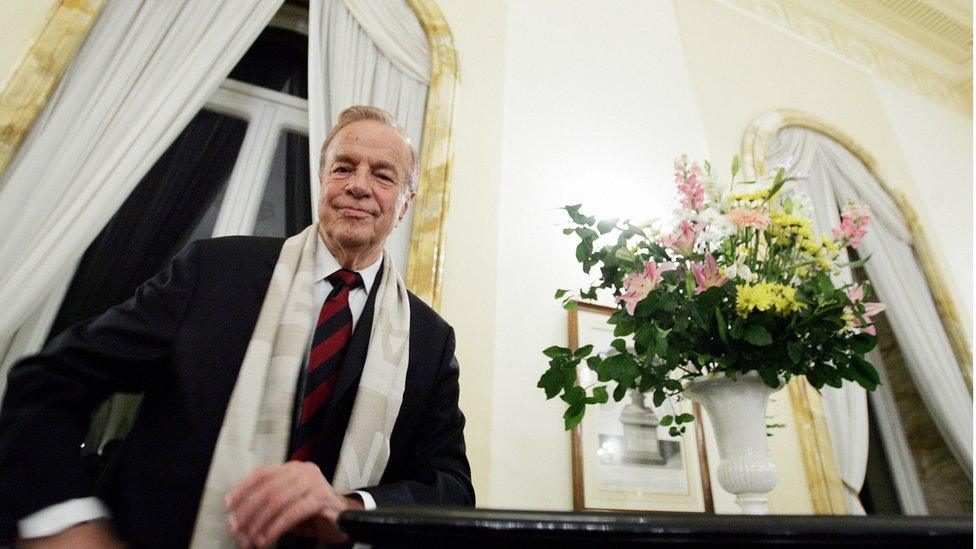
<point>355,213</point>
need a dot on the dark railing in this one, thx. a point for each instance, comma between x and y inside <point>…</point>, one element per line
<point>433,527</point>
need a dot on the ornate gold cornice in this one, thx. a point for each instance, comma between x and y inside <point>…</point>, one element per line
<point>911,43</point>
<point>41,70</point>
<point>425,265</point>
<point>754,145</point>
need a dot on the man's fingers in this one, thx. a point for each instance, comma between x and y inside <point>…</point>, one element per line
<point>272,504</point>
<point>295,514</point>
<point>243,487</point>
<point>274,490</point>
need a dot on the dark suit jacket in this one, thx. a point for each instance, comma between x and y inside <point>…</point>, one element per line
<point>180,341</point>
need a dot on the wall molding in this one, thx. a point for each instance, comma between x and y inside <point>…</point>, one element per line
<point>871,35</point>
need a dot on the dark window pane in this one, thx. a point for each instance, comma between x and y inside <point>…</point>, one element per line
<point>166,209</point>
<point>278,60</point>
<point>285,208</point>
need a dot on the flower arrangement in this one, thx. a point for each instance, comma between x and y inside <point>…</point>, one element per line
<point>739,283</point>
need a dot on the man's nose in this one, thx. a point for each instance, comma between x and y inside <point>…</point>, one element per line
<point>358,184</point>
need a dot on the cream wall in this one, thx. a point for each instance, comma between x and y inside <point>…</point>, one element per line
<point>22,22</point>
<point>577,128</point>
<point>469,291</point>
<point>938,146</point>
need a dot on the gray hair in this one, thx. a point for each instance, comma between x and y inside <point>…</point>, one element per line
<point>357,113</point>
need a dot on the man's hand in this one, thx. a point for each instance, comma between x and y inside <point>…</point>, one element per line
<point>292,497</point>
<point>96,534</point>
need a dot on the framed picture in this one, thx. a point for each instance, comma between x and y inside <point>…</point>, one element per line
<point>623,460</point>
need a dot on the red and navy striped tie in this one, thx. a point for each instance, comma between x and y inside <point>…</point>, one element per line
<point>332,333</point>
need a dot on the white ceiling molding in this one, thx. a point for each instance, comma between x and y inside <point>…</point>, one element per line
<point>921,45</point>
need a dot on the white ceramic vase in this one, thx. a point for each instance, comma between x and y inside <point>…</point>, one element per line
<point>737,411</point>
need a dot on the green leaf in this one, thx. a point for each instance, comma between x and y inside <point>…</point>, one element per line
<point>735,166</point>
<point>583,351</point>
<point>574,415</point>
<point>569,231</point>
<point>684,418</point>
<point>722,330</point>
<point>778,183</point>
<point>863,343</point>
<point>581,252</point>
<point>674,431</point>
<point>570,305</point>
<point>758,335</point>
<point>619,392</point>
<point>793,350</point>
<point>606,225</point>
<point>769,375</point>
<point>555,350</point>
<point>865,368</point>
<point>600,395</point>
<point>560,293</point>
<point>624,254</point>
<point>644,337</point>
<point>574,395</point>
<point>659,397</point>
<point>619,345</point>
<point>552,382</point>
<point>859,263</point>
<point>667,420</point>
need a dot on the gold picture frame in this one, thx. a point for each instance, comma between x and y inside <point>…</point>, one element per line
<point>673,477</point>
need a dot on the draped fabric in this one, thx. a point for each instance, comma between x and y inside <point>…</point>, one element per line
<point>143,72</point>
<point>837,176</point>
<point>155,221</point>
<point>366,52</point>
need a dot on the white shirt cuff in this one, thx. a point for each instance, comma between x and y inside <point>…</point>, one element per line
<point>61,516</point>
<point>368,502</point>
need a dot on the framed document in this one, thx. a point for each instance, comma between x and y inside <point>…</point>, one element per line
<point>623,460</point>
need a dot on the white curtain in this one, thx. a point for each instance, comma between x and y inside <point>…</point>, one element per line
<point>366,52</point>
<point>836,176</point>
<point>145,69</point>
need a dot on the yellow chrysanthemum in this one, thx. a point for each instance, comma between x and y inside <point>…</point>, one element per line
<point>766,296</point>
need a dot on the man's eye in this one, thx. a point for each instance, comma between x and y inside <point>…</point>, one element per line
<point>340,169</point>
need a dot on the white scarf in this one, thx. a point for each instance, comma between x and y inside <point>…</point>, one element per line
<point>257,422</point>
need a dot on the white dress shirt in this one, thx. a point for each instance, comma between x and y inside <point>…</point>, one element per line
<point>61,516</point>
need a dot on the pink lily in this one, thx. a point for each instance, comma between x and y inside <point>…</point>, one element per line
<point>856,295</point>
<point>853,224</point>
<point>707,275</point>
<point>683,240</point>
<point>638,285</point>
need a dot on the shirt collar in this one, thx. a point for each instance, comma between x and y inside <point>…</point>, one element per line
<point>326,264</point>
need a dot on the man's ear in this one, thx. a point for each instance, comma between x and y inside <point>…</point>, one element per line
<point>406,206</point>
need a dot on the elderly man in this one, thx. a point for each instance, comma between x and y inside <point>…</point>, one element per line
<point>284,382</point>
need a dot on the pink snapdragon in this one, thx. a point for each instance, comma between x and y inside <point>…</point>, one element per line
<point>688,178</point>
<point>683,240</point>
<point>853,224</point>
<point>638,285</point>
<point>707,275</point>
<point>745,217</point>
<point>856,295</point>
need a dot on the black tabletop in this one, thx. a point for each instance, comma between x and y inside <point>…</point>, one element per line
<point>429,527</point>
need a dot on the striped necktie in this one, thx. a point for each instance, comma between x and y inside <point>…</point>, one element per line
<point>332,333</point>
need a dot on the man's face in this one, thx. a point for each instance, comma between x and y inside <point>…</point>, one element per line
<point>363,192</point>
